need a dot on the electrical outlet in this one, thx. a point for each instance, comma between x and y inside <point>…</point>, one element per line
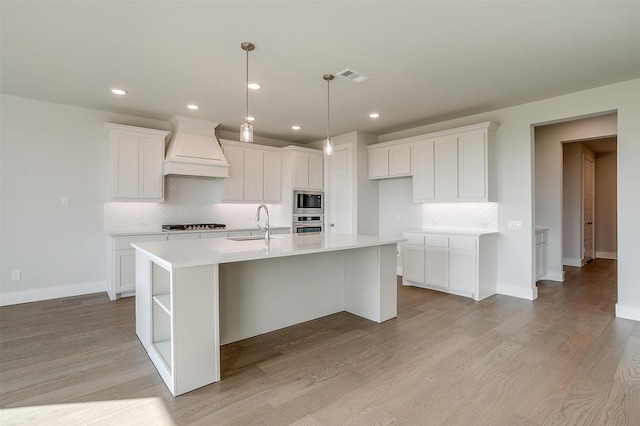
<point>16,276</point>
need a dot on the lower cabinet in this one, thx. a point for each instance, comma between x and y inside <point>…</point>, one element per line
<point>462,265</point>
<point>121,263</point>
<point>541,254</point>
<point>121,257</point>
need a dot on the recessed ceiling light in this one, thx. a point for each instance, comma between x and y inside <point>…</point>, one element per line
<point>250,118</point>
<point>192,106</point>
<point>374,115</point>
<point>295,127</point>
<point>253,86</point>
<point>119,91</point>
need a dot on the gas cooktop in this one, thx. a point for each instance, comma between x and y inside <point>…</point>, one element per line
<point>193,227</point>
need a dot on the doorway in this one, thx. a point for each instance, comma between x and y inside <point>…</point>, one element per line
<point>589,200</point>
<point>558,199</point>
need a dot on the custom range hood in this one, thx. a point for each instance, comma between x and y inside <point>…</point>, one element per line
<point>194,149</point>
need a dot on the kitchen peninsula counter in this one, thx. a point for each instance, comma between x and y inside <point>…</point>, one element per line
<point>193,296</point>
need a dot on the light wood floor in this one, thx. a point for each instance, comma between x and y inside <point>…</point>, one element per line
<point>562,359</point>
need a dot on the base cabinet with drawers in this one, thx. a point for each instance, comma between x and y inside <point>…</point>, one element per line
<point>459,264</point>
<point>121,257</point>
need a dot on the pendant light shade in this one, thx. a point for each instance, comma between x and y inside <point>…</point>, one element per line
<point>246,129</point>
<point>327,145</point>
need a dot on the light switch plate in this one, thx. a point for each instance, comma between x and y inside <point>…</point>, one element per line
<point>65,202</point>
<point>16,276</point>
<point>514,224</point>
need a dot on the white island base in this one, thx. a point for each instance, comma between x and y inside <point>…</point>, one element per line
<point>193,296</point>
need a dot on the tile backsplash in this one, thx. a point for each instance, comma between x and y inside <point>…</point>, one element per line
<point>187,200</point>
<point>461,216</point>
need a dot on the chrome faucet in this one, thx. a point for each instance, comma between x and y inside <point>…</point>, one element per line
<point>267,234</point>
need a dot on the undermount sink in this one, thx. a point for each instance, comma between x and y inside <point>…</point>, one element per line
<point>250,238</point>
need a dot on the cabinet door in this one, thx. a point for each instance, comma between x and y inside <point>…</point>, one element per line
<point>378,163</point>
<point>124,174</point>
<point>234,184</point>
<point>541,260</point>
<point>413,263</point>
<point>423,172</point>
<point>316,171</point>
<point>300,170</point>
<point>150,178</point>
<point>253,175</point>
<point>472,173</point>
<point>436,266</point>
<point>462,270</point>
<point>125,270</point>
<point>446,168</point>
<point>272,177</point>
<point>400,160</point>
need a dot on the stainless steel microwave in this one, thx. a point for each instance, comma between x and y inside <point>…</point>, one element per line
<point>308,202</point>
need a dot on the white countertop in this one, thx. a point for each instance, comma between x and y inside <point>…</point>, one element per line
<point>186,253</point>
<point>462,232</point>
<point>126,233</point>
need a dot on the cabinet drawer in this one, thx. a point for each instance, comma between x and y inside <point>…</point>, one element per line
<point>436,241</point>
<point>465,243</point>
<point>122,243</point>
<point>415,239</point>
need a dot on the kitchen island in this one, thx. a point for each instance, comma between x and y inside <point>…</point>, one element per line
<point>193,296</point>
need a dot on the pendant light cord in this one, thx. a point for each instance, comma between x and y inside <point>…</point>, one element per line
<point>328,78</point>
<point>246,118</point>
<point>328,82</point>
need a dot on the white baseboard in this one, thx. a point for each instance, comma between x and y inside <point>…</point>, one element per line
<point>572,262</point>
<point>627,312</point>
<point>554,276</point>
<point>26,296</point>
<point>606,255</point>
<point>519,292</point>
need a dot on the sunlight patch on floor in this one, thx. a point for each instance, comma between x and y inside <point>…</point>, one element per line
<point>142,411</point>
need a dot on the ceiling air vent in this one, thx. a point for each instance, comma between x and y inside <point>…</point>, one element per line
<point>353,75</point>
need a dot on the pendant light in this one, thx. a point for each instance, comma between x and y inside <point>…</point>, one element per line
<point>246,129</point>
<point>327,145</point>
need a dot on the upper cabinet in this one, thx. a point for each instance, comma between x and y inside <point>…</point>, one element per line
<point>307,168</point>
<point>389,160</point>
<point>136,156</point>
<point>448,166</point>
<point>255,173</point>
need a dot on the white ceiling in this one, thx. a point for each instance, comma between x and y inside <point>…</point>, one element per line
<point>427,60</point>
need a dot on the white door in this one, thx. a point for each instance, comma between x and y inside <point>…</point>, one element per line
<point>588,172</point>
<point>341,210</point>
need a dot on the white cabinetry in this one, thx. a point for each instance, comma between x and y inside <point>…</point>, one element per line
<point>255,173</point>
<point>136,163</point>
<point>389,160</point>
<point>184,360</point>
<point>448,166</point>
<point>121,263</point>
<point>307,170</point>
<point>458,166</point>
<point>462,265</point>
<point>541,253</point>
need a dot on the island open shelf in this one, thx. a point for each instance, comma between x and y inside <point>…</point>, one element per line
<point>193,296</point>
